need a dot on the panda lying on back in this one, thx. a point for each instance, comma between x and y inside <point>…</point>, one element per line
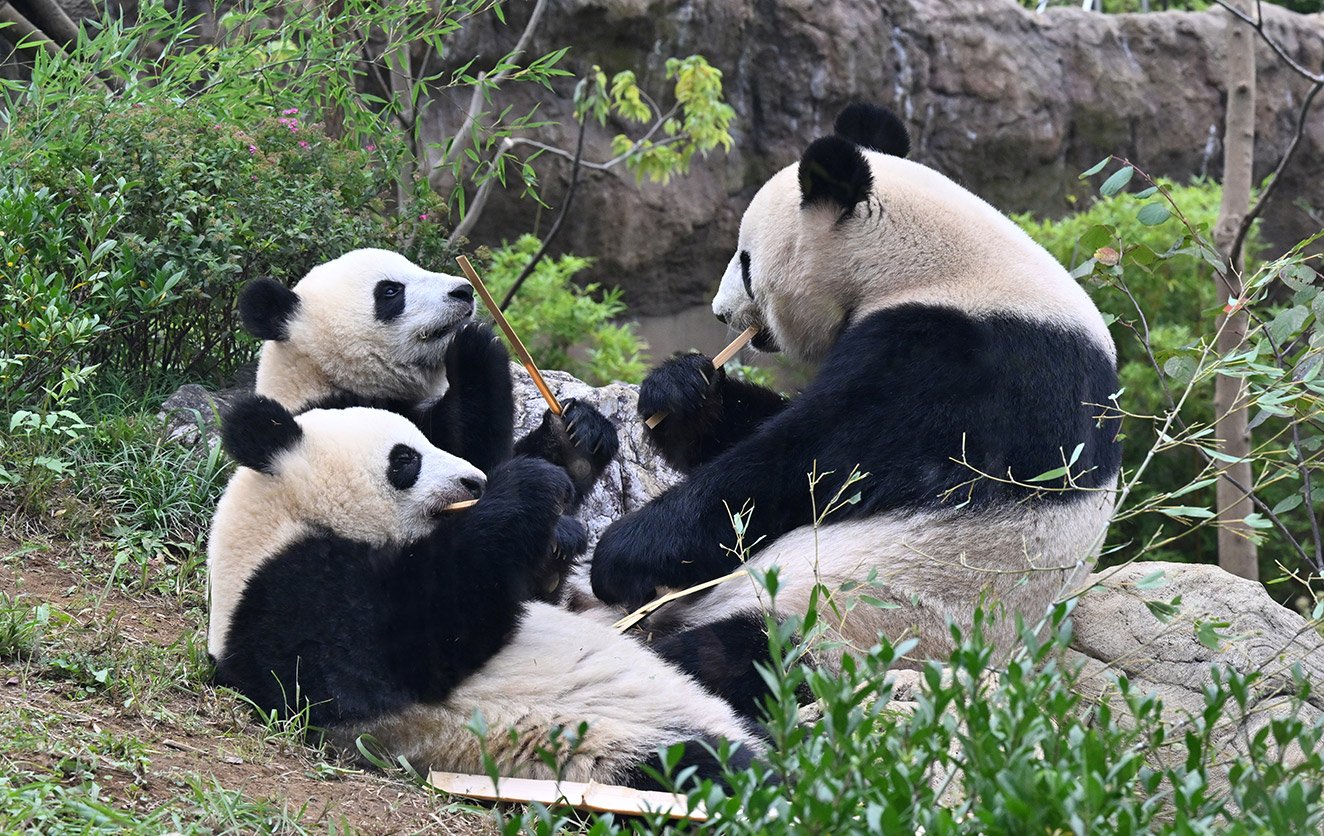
<point>373,329</point>
<point>340,586</point>
<point>957,360</point>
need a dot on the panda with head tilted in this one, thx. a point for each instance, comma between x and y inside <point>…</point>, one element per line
<point>373,329</point>
<point>340,586</point>
<point>957,362</point>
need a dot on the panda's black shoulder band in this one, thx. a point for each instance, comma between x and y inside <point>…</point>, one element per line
<point>255,430</point>
<point>873,127</point>
<point>265,309</point>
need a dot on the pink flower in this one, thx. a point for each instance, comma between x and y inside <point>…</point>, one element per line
<point>291,112</point>
<point>370,148</point>
<point>423,217</point>
<point>303,144</point>
<point>252,149</point>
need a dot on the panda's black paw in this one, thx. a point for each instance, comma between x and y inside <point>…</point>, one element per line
<point>581,440</point>
<point>682,386</point>
<point>569,543</point>
<point>534,489</point>
<point>593,436</point>
<point>618,575</point>
<point>569,540</point>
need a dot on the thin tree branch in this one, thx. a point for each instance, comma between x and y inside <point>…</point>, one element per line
<point>1257,23</point>
<point>1254,212</point>
<point>472,113</point>
<point>556,225</point>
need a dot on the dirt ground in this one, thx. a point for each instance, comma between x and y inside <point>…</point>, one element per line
<point>180,730</point>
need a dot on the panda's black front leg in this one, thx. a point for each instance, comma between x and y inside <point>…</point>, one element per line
<point>580,439</point>
<point>512,535</point>
<point>475,419</point>
<point>706,411</point>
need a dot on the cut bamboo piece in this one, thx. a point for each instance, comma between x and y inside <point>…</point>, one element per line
<point>718,361</point>
<point>638,615</point>
<point>604,798</point>
<point>524,357</point>
<point>463,503</point>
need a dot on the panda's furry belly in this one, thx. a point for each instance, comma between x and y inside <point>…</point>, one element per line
<point>926,568</point>
<point>559,670</point>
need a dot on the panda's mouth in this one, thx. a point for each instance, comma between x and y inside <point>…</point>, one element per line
<point>766,342</point>
<point>435,333</point>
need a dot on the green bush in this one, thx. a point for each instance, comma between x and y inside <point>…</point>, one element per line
<point>1002,752</point>
<point>1148,262</point>
<point>552,315</point>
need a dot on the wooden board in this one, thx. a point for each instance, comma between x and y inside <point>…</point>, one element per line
<point>603,798</point>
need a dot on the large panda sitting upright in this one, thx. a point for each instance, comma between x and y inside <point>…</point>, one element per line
<point>959,366</point>
<point>373,329</point>
<point>341,587</point>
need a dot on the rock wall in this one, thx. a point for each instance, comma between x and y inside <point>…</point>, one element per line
<point>1011,103</point>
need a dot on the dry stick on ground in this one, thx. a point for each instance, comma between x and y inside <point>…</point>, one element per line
<point>718,361</point>
<point>585,796</point>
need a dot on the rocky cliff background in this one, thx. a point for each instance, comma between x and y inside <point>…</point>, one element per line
<point>1012,103</point>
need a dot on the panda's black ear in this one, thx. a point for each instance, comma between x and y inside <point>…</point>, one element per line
<point>255,430</point>
<point>834,171</point>
<point>265,308</point>
<point>873,127</point>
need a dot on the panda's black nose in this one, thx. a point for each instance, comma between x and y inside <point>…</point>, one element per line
<point>473,485</point>
<point>721,318</point>
<point>464,293</point>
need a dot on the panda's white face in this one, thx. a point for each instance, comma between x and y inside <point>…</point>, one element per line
<point>370,322</point>
<point>369,475</point>
<point>364,474</point>
<point>786,277</point>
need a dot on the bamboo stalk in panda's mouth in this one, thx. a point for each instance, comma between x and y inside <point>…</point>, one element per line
<point>525,358</point>
<point>463,503</point>
<point>718,361</point>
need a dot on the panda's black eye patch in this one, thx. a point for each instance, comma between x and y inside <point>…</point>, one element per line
<point>744,273</point>
<point>388,299</point>
<point>404,466</point>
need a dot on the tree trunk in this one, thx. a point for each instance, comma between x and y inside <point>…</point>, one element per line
<point>1236,552</point>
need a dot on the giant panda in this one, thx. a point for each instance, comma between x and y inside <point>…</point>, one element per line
<point>371,328</point>
<point>957,364</point>
<point>341,587</point>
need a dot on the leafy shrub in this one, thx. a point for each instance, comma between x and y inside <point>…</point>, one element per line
<point>552,315</point>
<point>1001,753</point>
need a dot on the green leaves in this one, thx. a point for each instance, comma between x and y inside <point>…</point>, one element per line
<point>1153,214</point>
<point>1117,181</point>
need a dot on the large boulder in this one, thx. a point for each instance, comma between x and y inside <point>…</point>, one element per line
<point>1010,102</point>
<point>1221,621</point>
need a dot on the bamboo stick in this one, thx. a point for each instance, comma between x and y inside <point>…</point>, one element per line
<point>718,361</point>
<point>585,796</point>
<point>525,358</point>
<point>463,503</point>
<point>638,615</point>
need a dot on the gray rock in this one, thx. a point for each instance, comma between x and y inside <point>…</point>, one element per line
<point>637,475</point>
<point>1116,633</point>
